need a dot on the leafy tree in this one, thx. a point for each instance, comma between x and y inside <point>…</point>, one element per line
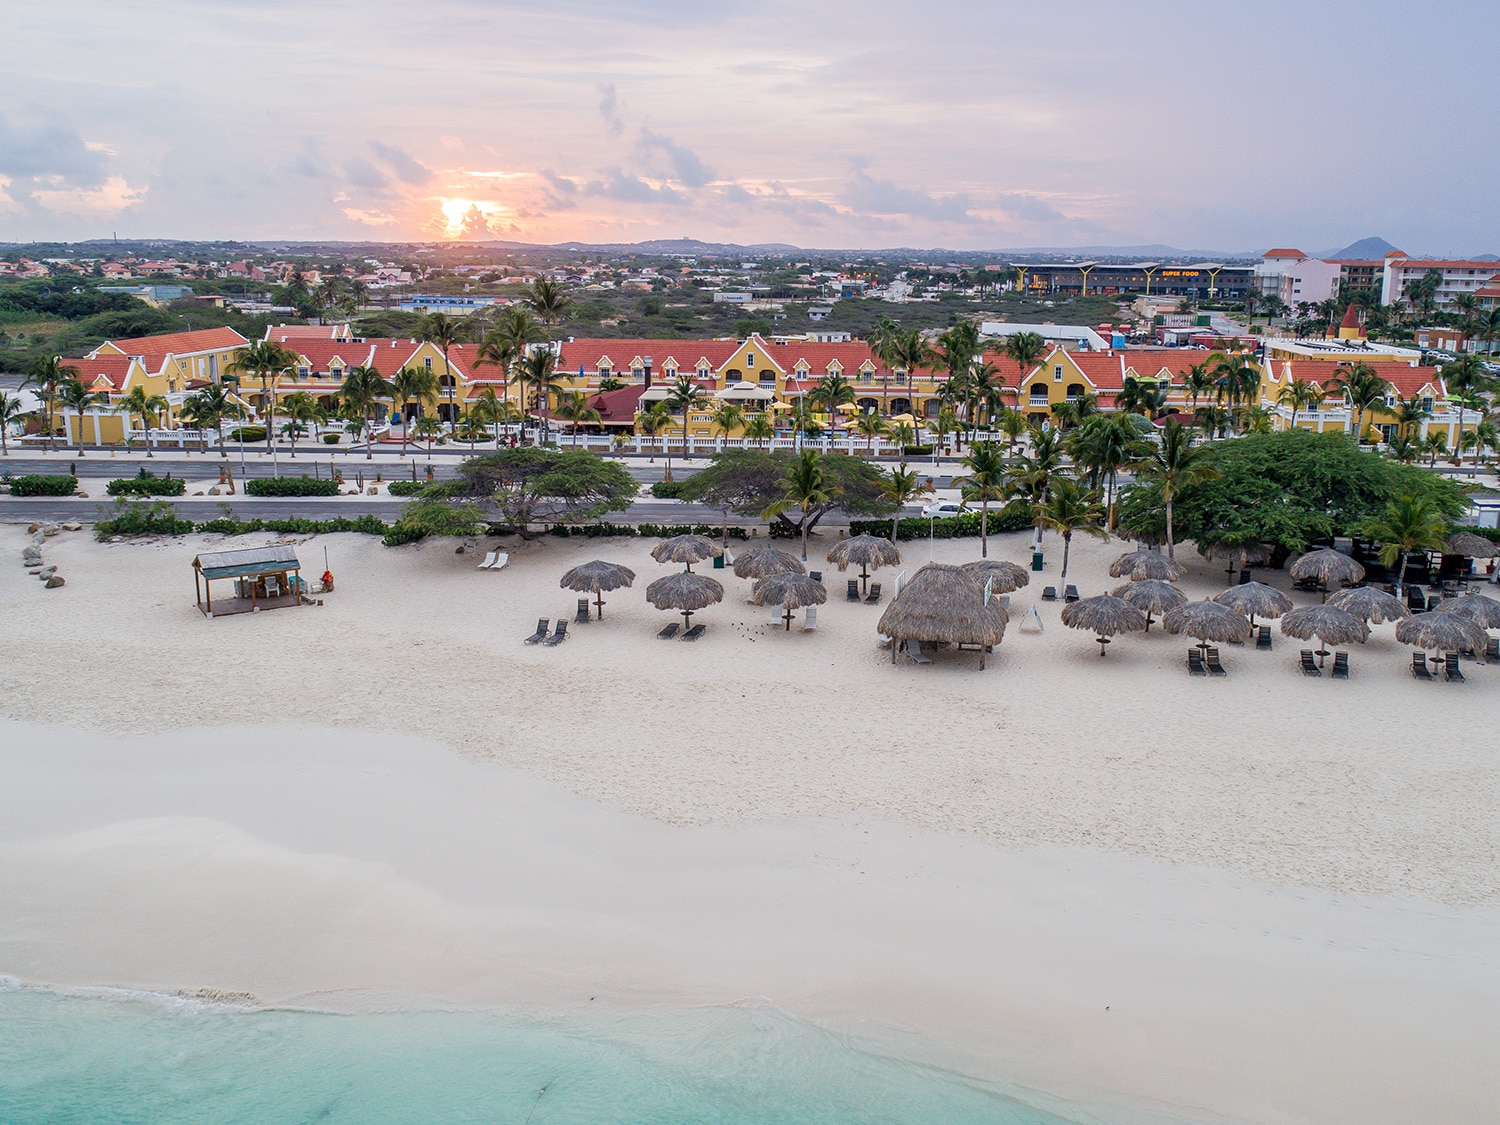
<point>1070,508</point>
<point>1412,523</point>
<point>532,484</point>
<point>987,481</point>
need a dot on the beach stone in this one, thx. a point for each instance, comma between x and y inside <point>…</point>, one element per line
<point>214,491</point>
<point>72,525</point>
<point>38,539</point>
<point>49,529</point>
<point>32,529</point>
<point>55,581</point>
<point>31,555</point>
<point>46,572</point>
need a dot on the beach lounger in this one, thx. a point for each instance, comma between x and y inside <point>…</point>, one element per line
<point>1049,594</point>
<point>559,634</point>
<point>874,595</point>
<point>669,631</point>
<point>489,561</point>
<point>914,650</point>
<point>1416,600</point>
<point>501,559</point>
<point>541,631</point>
<point>1341,666</point>
<point>1263,637</point>
<point>1214,667</point>
<point>1195,663</point>
<point>1310,665</point>
<point>815,575</point>
<point>853,594</point>
<point>1492,650</point>
<point>1450,668</point>
<point>582,616</point>
<point>1433,601</point>
<point>810,620</point>
<point>695,632</point>
<point>1070,594</point>
<point>1419,666</point>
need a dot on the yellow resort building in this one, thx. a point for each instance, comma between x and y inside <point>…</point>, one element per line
<point>1065,376</point>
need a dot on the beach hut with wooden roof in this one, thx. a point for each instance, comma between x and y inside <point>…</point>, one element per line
<point>264,578</point>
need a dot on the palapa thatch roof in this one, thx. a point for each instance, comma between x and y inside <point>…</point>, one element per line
<point>944,603</point>
<point>1208,621</point>
<point>1475,546</point>
<point>686,549</point>
<point>1370,604</point>
<point>685,591</point>
<point>1105,615</point>
<point>1441,632</point>
<point>1255,598</point>
<point>1483,611</point>
<point>791,591</point>
<point>1246,554</point>
<point>872,551</point>
<point>591,577</point>
<point>1150,595</point>
<point>1004,577</point>
<point>1329,623</point>
<point>762,562</point>
<point>1329,567</point>
<point>1138,566</point>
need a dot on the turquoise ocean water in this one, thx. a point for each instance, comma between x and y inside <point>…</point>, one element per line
<point>124,1059</point>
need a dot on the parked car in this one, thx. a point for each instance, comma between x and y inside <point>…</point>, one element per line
<point>942,508</point>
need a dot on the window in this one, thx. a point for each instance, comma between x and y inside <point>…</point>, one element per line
<point>427,362</point>
<point>1427,403</point>
<point>749,359</point>
<point>1057,374</point>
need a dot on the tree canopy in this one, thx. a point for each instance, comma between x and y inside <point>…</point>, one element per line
<point>533,484</point>
<point>1291,489</point>
<point>745,481</point>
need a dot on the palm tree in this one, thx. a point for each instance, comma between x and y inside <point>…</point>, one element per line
<point>727,418</point>
<point>208,408</point>
<point>1069,508</point>
<point>1013,425</point>
<point>652,421</point>
<point>442,330</point>
<point>361,392</point>
<point>1034,471</point>
<point>429,427</point>
<point>805,486</point>
<point>548,300</point>
<point>904,486</point>
<point>685,395</point>
<point>831,392</point>
<point>47,373</point>
<point>760,428</point>
<point>911,352</point>
<point>1403,449</point>
<point>1103,446</point>
<point>76,397</point>
<point>1435,445</point>
<point>1026,349</point>
<point>1412,523</point>
<point>538,371</point>
<point>10,413</point>
<point>904,434</point>
<point>302,410</point>
<point>412,384</point>
<point>1175,466</point>
<point>870,426</point>
<point>1299,394</point>
<point>1199,381</point>
<point>1236,379</point>
<point>1363,388</point>
<point>269,361</point>
<point>575,409</point>
<point>986,480</point>
<point>944,424</point>
<point>1467,380</point>
<point>1411,412</point>
<point>148,407</point>
<point>508,341</point>
<point>883,346</point>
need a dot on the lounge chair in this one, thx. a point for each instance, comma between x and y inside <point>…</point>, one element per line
<point>1195,663</point>
<point>815,575</point>
<point>489,561</point>
<point>1492,650</point>
<point>1070,594</point>
<point>853,594</point>
<point>1049,594</point>
<point>810,620</point>
<point>1214,667</point>
<point>1416,600</point>
<point>559,634</point>
<point>1263,637</point>
<point>1433,601</point>
<point>541,631</point>
<point>1419,666</point>
<point>669,631</point>
<point>501,559</point>
<point>695,632</point>
<point>1309,664</point>
<point>874,595</point>
<point>1450,668</point>
<point>582,616</point>
<point>1341,666</point>
<point>914,650</point>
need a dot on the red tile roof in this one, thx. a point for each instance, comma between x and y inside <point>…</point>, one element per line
<point>623,352</point>
<point>180,343</point>
<point>1283,252</point>
<point>113,369</point>
<point>617,405</point>
<point>1107,370</point>
<point>286,333</point>
<point>1402,376</point>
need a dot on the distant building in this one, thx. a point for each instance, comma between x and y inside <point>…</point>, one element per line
<point>1203,279</point>
<point>1458,276</point>
<point>460,305</point>
<point>1295,278</point>
<point>819,312</point>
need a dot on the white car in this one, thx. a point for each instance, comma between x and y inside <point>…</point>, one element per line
<point>942,508</point>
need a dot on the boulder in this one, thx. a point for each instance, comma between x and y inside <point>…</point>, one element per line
<point>72,525</point>
<point>55,581</point>
<point>38,539</point>
<point>49,529</point>
<point>46,572</point>
<point>214,491</point>
<point>31,555</point>
<point>32,529</point>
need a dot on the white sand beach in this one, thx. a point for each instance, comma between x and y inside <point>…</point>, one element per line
<point>1258,898</point>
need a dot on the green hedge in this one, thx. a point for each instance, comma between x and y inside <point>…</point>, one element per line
<point>291,486</point>
<point>332,439</point>
<point>146,484</point>
<point>156,518</point>
<point>1490,533</point>
<point>159,518</point>
<point>406,487</point>
<point>916,451</point>
<point>647,530</point>
<point>248,433</point>
<point>667,489</point>
<point>39,484</point>
<point>949,527</point>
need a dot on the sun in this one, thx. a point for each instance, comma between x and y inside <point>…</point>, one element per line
<point>468,216</point>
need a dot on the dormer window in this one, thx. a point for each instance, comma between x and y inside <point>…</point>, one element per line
<point>702,371</point>
<point>1427,403</point>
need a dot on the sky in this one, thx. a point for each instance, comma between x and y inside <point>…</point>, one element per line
<point>963,124</point>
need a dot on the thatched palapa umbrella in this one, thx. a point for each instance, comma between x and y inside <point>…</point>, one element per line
<point>762,562</point>
<point>1483,611</point>
<point>1370,604</point>
<point>944,604</point>
<point>1138,566</point>
<point>1256,598</point>
<point>1151,595</point>
<point>1330,624</point>
<point>686,549</point>
<point>1438,631</point>
<point>1106,615</point>
<point>686,592</point>
<point>790,591</point>
<point>1475,546</point>
<point>1249,553</point>
<point>1208,621</point>
<point>1003,577</point>
<point>1329,567</point>
<point>596,577</point>
<point>869,552</point>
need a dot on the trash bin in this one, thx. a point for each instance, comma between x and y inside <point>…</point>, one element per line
<point>1036,561</point>
<point>718,562</point>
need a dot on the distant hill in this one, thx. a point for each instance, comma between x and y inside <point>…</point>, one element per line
<point>1370,249</point>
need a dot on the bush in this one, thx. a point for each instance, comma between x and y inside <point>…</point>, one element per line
<point>332,439</point>
<point>667,489</point>
<point>155,518</point>
<point>949,527</point>
<point>291,486</point>
<point>916,451</point>
<point>405,487</point>
<point>146,484</point>
<point>649,530</point>
<point>248,433</point>
<point>38,484</point>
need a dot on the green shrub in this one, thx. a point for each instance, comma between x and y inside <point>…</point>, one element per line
<point>1490,533</point>
<point>146,484</point>
<point>38,484</point>
<point>667,489</point>
<point>405,487</point>
<point>916,451</point>
<point>332,439</point>
<point>291,486</point>
<point>141,518</point>
<point>949,527</point>
<point>248,433</point>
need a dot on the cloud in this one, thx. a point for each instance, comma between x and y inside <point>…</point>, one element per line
<point>46,149</point>
<point>369,218</point>
<point>609,109</point>
<point>625,188</point>
<point>402,164</point>
<point>359,172</point>
<point>109,198</point>
<point>677,162</point>
<point>883,197</point>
